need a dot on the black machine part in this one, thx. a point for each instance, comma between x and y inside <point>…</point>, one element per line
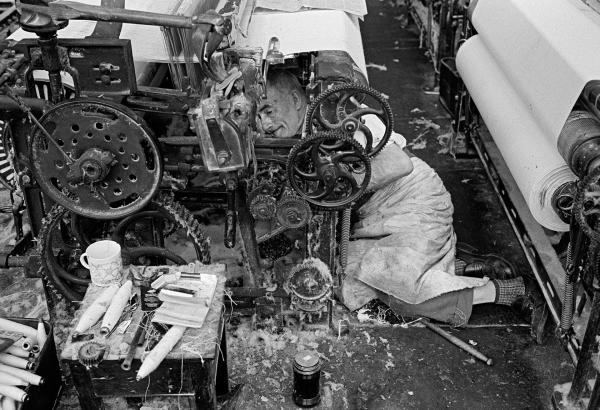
<point>103,163</point>
<point>64,236</point>
<point>91,353</point>
<point>579,142</point>
<point>293,212</point>
<point>309,284</point>
<point>585,207</point>
<point>344,107</point>
<point>329,170</point>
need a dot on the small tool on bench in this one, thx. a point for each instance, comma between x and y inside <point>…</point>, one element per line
<point>135,341</point>
<point>169,278</point>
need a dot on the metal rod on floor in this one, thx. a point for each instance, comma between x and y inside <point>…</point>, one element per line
<point>457,342</point>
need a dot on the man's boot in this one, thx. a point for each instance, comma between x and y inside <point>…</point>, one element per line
<point>470,262</point>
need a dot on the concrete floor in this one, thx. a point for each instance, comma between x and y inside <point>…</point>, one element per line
<point>378,366</point>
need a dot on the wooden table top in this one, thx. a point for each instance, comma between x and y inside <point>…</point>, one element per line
<point>196,343</point>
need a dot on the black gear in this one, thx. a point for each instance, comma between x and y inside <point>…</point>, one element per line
<point>72,287</point>
<point>347,121</point>
<point>293,212</point>
<point>338,157</point>
<point>262,207</point>
<point>91,353</point>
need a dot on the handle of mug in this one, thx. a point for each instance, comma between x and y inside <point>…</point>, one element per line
<point>83,261</point>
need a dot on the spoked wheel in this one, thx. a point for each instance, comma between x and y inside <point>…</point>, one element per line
<point>330,170</point>
<point>164,232</point>
<point>347,108</point>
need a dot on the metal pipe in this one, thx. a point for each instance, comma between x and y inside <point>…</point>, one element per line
<point>180,140</point>
<point>37,106</point>
<point>231,218</point>
<point>69,10</point>
<point>457,342</point>
<point>48,42</point>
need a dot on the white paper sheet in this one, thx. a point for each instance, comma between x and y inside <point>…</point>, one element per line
<point>311,30</point>
<point>531,156</point>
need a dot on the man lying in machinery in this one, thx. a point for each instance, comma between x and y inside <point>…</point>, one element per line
<point>403,250</point>
<point>394,221</point>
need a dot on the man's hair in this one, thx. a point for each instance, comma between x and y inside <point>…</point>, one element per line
<point>285,80</point>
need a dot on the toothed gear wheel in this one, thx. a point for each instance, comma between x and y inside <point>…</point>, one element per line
<point>293,212</point>
<point>310,284</point>
<point>91,353</point>
<point>329,170</point>
<point>262,207</point>
<point>345,108</point>
<point>60,256</point>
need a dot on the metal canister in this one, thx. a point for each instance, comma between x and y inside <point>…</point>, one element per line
<point>307,375</point>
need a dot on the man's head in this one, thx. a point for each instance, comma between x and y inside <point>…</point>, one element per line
<point>282,113</point>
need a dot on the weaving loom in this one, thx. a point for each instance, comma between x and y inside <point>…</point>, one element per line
<point>135,107</point>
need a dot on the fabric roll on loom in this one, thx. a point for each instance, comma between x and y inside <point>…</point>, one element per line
<point>532,159</point>
<point>525,82</point>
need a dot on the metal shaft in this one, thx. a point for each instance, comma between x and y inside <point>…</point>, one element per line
<point>69,10</point>
<point>457,342</point>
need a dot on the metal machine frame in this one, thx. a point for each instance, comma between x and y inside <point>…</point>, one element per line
<point>223,141</point>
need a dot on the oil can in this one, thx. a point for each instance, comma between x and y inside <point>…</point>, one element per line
<point>307,375</point>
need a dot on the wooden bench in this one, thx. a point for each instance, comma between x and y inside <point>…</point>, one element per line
<point>195,371</point>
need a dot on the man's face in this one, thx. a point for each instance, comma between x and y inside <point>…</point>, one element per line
<point>282,113</point>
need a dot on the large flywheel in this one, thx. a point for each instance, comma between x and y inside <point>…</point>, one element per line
<point>96,158</point>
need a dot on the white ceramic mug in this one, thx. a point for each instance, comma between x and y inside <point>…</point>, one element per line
<point>103,259</point>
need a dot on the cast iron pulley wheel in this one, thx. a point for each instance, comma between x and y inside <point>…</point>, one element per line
<point>345,108</point>
<point>309,283</point>
<point>329,170</point>
<point>293,212</point>
<point>586,207</point>
<point>96,158</point>
<point>64,237</point>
